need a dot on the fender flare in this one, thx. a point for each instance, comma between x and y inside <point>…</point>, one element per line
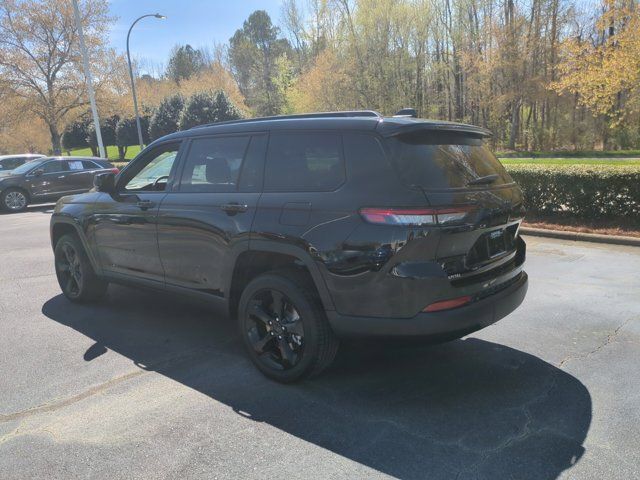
<point>299,254</point>
<point>58,219</point>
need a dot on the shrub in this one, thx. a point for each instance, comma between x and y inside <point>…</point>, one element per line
<point>207,107</point>
<point>75,135</point>
<point>587,191</point>
<point>165,119</point>
<point>127,134</point>
<point>108,131</point>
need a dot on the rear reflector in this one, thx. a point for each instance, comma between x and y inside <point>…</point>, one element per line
<point>415,216</point>
<point>448,304</point>
<point>114,170</point>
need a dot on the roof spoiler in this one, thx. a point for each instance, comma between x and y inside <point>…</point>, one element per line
<point>417,127</point>
<point>407,112</point>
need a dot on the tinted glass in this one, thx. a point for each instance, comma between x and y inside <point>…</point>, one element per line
<point>54,166</point>
<point>89,165</point>
<point>154,173</point>
<point>10,163</point>
<point>304,162</point>
<point>253,166</point>
<point>445,161</point>
<point>26,167</point>
<point>213,164</point>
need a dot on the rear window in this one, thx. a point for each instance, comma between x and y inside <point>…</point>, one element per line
<point>442,160</point>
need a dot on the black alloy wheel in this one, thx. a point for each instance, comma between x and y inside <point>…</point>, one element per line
<point>284,327</point>
<point>275,329</point>
<point>76,277</point>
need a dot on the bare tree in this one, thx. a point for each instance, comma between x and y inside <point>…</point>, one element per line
<point>39,57</point>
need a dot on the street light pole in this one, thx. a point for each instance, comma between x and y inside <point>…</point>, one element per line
<point>87,76</point>
<point>133,83</point>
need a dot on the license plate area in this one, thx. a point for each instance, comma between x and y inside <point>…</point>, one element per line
<point>496,244</point>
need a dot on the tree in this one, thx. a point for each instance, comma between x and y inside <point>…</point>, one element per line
<point>39,56</point>
<point>207,107</point>
<point>108,131</point>
<point>165,119</point>
<point>253,53</point>
<point>184,63</point>
<point>75,135</point>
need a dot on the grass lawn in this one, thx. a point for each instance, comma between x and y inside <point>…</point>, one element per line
<point>112,152</point>
<point>571,154</point>
<point>570,161</point>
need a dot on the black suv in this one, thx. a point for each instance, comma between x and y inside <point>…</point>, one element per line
<point>47,179</point>
<point>308,229</point>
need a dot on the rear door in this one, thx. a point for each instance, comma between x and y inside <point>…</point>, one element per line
<point>204,222</point>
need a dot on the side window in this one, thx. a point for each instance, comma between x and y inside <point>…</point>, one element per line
<point>75,165</point>
<point>304,162</point>
<point>89,165</point>
<point>151,172</point>
<point>213,164</point>
<point>253,166</point>
<point>10,163</point>
<point>55,166</point>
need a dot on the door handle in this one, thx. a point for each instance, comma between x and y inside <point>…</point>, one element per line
<point>234,207</point>
<point>145,204</point>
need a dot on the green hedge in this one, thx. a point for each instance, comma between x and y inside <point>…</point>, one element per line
<point>587,191</point>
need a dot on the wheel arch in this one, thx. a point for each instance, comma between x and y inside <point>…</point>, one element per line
<point>265,256</point>
<point>62,226</point>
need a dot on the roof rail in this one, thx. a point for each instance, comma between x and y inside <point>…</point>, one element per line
<point>347,113</point>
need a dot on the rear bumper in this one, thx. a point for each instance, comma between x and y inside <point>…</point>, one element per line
<point>445,324</point>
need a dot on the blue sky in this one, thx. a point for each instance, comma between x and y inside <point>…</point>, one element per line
<point>196,22</point>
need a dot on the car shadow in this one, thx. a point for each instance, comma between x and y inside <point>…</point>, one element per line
<point>468,408</point>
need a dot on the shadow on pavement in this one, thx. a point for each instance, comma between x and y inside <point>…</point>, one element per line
<point>464,409</point>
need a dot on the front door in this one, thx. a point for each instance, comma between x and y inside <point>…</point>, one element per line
<point>204,222</point>
<point>50,179</point>
<point>124,224</point>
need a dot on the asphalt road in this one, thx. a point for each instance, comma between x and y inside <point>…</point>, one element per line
<point>146,386</point>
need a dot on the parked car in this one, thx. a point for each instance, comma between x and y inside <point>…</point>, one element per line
<point>47,179</point>
<point>308,229</point>
<point>9,162</point>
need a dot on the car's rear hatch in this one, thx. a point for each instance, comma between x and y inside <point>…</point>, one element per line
<point>455,170</point>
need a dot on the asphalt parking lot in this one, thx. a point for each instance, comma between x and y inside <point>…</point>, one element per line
<point>144,385</point>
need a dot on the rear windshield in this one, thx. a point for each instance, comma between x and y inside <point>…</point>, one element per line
<point>442,160</point>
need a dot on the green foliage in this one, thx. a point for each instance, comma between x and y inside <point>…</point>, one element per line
<point>253,54</point>
<point>583,191</point>
<point>75,135</point>
<point>107,129</point>
<point>184,62</point>
<point>165,119</point>
<point>207,107</point>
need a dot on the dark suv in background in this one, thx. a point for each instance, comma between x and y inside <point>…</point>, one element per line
<point>307,229</point>
<point>47,179</point>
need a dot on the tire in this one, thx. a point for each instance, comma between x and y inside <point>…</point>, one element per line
<point>299,342</point>
<point>76,277</point>
<point>14,200</point>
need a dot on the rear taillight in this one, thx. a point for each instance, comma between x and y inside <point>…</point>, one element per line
<point>448,304</point>
<point>416,216</point>
<point>114,170</point>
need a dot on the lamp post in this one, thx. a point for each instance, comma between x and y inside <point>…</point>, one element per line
<point>88,79</point>
<point>133,83</point>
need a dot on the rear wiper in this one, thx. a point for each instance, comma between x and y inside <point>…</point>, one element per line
<point>484,180</point>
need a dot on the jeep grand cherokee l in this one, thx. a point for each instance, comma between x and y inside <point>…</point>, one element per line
<point>308,229</point>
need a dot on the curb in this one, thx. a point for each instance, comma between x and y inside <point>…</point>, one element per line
<point>581,237</point>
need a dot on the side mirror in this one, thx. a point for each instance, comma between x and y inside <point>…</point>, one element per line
<point>38,171</point>
<point>105,182</point>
